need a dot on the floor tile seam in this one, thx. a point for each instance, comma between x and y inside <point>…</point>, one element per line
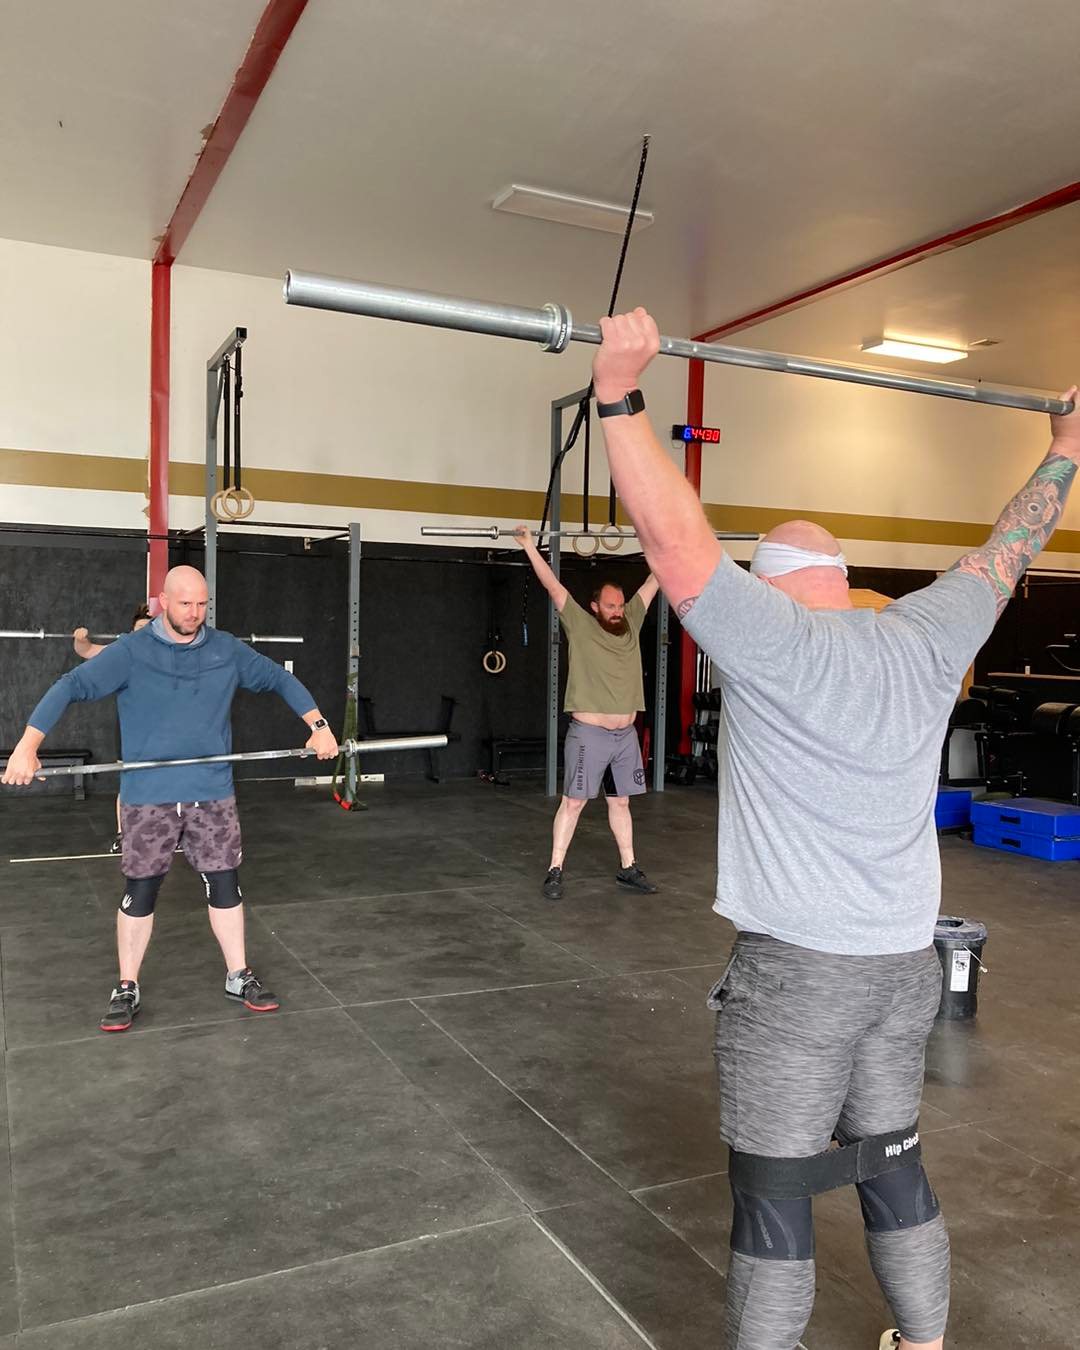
<point>599,970</point>
<point>597,1284</point>
<point>299,961</point>
<point>352,899</point>
<point>636,1191</point>
<point>1049,1167</point>
<point>518,1097</point>
<point>528,1209</point>
<point>140,1032</point>
<point>359,1254</point>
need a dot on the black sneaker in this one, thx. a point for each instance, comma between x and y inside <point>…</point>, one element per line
<point>552,887</point>
<point>634,879</point>
<point>246,989</point>
<point>123,1006</point>
<point>117,844</point>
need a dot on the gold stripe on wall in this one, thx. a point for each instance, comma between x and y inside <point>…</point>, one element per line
<point>113,473</point>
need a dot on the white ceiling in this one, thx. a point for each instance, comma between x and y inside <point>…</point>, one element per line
<point>1020,287</point>
<point>791,142</point>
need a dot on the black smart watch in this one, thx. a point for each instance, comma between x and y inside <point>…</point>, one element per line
<point>633,403</point>
<point>319,724</point>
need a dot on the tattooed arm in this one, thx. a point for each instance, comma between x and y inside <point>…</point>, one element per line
<point>677,539</point>
<point>1029,520</point>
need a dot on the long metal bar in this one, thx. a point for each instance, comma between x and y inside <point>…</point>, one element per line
<point>213,409</point>
<point>353,685</point>
<point>301,752</point>
<point>111,637</point>
<point>493,532</point>
<point>554,328</point>
<point>659,736</point>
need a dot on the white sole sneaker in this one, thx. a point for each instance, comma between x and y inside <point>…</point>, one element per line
<point>889,1340</point>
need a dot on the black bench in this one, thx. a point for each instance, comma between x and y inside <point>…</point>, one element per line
<point>514,745</point>
<point>367,730</point>
<point>59,759</point>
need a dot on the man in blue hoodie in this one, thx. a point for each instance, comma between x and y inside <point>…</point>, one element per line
<point>174,682</point>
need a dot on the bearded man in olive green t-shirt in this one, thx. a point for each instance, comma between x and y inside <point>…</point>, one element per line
<point>604,693</point>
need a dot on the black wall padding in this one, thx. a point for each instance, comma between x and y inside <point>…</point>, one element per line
<point>58,583</point>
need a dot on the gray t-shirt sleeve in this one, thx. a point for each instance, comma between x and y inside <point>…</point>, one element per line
<point>955,615</point>
<point>740,621</point>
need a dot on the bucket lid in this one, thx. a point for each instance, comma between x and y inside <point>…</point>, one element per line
<point>951,929</point>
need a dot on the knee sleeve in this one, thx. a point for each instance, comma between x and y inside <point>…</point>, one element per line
<point>222,889</point>
<point>772,1229</point>
<point>897,1200</point>
<point>140,896</point>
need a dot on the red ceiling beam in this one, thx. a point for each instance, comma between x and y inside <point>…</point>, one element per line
<point>274,29</point>
<point>944,243</point>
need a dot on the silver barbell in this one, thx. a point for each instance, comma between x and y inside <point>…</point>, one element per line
<point>493,532</point>
<point>349,748</point>
<point>553,327</point>
<point>111,637</point>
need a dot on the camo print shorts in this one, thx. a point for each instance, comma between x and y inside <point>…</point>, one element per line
<point>208,832</point>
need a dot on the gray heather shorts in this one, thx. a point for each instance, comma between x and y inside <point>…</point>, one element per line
<point>594,757</point>
<point>808,1044</point>
<point>209,833</point>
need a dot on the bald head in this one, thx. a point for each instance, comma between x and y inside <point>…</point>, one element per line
<point>183,601</point>
<point>803,534</point>
<point>818,584</point>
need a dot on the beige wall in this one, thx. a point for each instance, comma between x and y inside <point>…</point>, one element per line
<point>397,426</point>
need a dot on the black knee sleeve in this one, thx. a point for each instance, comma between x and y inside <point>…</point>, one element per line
<point>222,889</point>
<point>897,1200</point>
<point>140,896</point>
<point>772,1229</point>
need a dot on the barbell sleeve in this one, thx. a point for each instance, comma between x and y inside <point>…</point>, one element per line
<point>553,328</point>
<point>380,746</point>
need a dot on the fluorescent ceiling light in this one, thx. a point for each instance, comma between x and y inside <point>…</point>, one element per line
<point>566,209</point>
<point>914,351</point>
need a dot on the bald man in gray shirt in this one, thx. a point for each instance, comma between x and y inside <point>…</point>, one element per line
<point>828,865</point>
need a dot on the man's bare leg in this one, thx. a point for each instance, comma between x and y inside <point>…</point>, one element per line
<point>566,819</point>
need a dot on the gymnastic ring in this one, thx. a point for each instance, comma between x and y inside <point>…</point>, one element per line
<point>494,662</point>
<point>581,550</point>
<point>611,538</point>
<point>232,504</point>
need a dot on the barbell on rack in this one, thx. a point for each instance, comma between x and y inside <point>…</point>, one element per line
<point>553,327</point>
<point>350,748</point>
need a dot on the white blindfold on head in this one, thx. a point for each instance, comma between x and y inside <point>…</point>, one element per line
<point>777,560</point>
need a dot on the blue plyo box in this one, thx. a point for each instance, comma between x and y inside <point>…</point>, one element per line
<point>1030,845</point>
<point>953,808</point>
<point>1029,815</point>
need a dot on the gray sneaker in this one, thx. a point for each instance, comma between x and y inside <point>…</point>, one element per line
<point>247,989</point>
<point>123,1007</point>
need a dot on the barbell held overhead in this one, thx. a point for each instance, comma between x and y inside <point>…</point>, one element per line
<point>553,328</point>
<point>350,748</point>
<point>493,532</point>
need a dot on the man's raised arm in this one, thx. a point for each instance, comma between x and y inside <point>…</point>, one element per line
<point>1031,517</point>
<point>544,574</point>
<point>677,539</point>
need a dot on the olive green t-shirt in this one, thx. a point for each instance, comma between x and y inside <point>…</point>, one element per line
<point>605,670</point>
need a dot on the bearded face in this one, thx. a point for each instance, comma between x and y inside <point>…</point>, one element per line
<point>608,610</point>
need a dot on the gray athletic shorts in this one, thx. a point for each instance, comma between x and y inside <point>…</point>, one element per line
<point>808,1044</point>
<point>209,833</point>
<point>595,758</point>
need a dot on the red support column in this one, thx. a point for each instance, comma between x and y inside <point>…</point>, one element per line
<point>158,486</point>
<point>695,416</point>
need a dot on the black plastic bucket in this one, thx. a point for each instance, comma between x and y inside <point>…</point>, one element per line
<point>959,944</point>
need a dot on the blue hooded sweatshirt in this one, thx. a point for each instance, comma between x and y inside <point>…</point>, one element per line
<point>174,700</point>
